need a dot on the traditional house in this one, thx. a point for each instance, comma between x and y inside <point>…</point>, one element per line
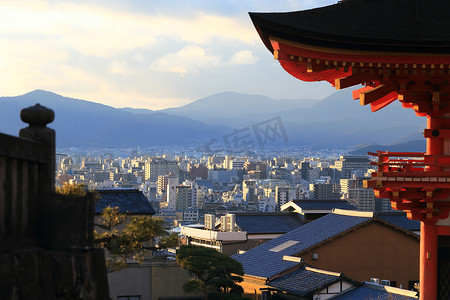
<point>359,244</point>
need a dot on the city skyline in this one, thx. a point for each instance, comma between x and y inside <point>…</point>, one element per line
<point>143,55</point>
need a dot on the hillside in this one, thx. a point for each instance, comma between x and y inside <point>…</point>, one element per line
<point>331,122</point>
<point>84,123</point>
<point>335,121</point>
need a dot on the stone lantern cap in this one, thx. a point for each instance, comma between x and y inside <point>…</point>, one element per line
<point>37,115</point>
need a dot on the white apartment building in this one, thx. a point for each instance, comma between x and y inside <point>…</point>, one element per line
<point>160,166</point>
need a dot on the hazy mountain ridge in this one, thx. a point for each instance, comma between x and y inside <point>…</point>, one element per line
<point>84,123</point>
<point>335,121</point>
<point>411,146</point>
<point>235,108</point>
<point>138,111</point>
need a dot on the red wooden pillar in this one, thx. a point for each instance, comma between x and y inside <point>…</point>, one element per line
<point>428,230</point>
<point>428,261</point>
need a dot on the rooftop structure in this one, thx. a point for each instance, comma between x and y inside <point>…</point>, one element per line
<point>274,223</point>
<point>313,209</point>
<point>241,231</point>
<point>129,201</point>
<point>309,282</point>
<point>376,291</point>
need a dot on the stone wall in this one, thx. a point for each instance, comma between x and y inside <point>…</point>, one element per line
<point>35,273</point>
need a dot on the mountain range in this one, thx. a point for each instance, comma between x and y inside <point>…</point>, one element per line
<point>84,123</point>
<point>335,121</point>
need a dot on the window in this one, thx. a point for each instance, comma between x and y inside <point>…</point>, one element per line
<point>129,298</point>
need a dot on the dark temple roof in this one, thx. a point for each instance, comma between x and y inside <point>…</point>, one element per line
<point>306,281</point>
<point>399,219</point>
<point>255,223</point>
<point>323,204</point>
<point>375,291</point>
<point>375,25</point>
<point>129,201</point>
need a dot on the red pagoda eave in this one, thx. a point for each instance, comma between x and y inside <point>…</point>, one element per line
<point>356,56</point>
<point>420,81</point>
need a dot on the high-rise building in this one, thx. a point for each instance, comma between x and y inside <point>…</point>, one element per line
<point>350,165</point>
<point>238,162</point>
<point>186,196</point>
<point>250,195</point>
<point>166,184</point>
<point>183,197</point>
<point>362,199</point>
<point>256,169</point>
<point>198,171</point>
<point>322,190</point>
<point>160,166</point>
<point>214,161</point>
<point>304,170</point>
<point>284,194</point>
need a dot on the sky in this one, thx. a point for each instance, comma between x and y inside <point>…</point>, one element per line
<point>144,53</point>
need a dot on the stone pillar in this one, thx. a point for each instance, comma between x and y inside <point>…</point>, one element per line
<point>38,117</point>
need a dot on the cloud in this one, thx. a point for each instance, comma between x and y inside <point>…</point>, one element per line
<point>100,31</point>
<point>120,67</point>
<point>244,57</point>
<point>79,48</point>
<point>192,59</point>
<point>187,60</point>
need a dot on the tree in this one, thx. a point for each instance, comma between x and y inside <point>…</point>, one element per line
<point>138,239</point>
<point>216,274</point>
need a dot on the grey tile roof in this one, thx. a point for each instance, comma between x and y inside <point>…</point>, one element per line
<point>399,219</point>
<point>255,223</point>
<point>323,204</point>
<point>304,281</point>
<point>266,260</point>
<point>372,291</point>
<point>129,201</point>
<point>206,183</point>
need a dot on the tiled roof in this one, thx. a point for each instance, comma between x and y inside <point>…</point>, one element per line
<point>399,219</point>
<point>323,204</point>
<point>373,291</point>
<point>206,183</point>
<point>129,201</point>
<point>305,281</point>
<point>268,222</point>
<point>266,260</point>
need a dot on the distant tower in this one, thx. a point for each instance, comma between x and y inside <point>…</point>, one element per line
<point>249,194</point>
<point>166,188</point>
